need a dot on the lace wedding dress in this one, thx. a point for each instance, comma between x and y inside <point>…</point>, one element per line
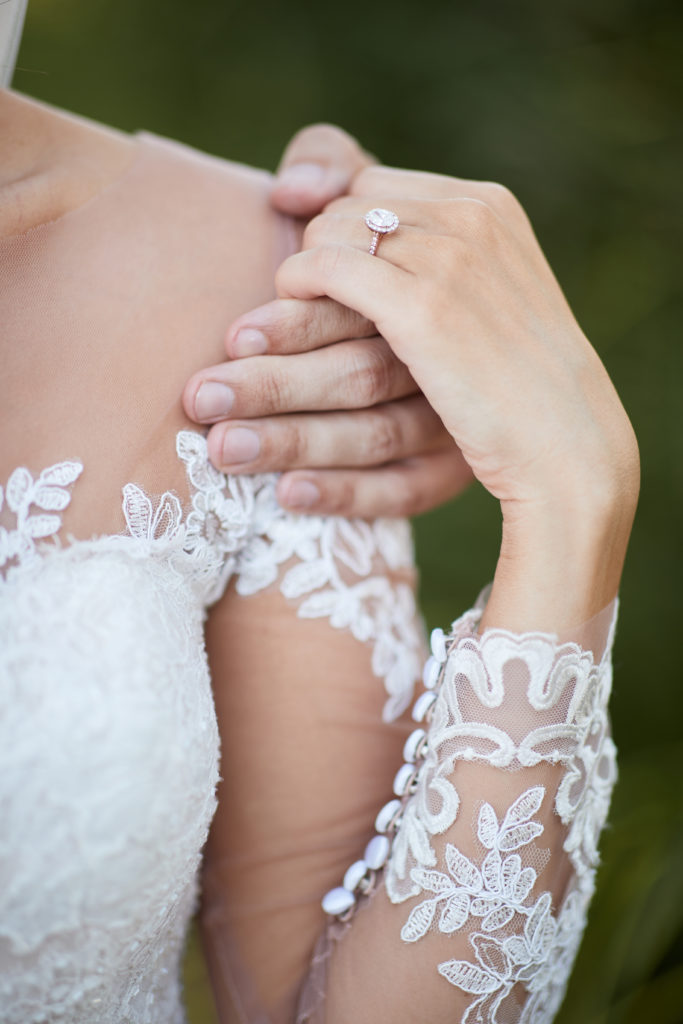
<point>142,591</point>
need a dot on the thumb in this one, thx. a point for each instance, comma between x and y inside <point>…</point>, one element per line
<point>318,166</point>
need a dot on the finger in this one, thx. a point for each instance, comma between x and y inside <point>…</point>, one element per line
<point>377,180</point>
<point>319,164</point>
<point>346,274</point>
<point>287,326</point>
<point>401,489</point>
<point>366,437</point>
<point>355,375</point>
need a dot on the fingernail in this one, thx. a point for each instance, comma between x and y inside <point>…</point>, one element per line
<point>249,342</point>
<point>302,176</point>
<point>240,445</point>
<point>302,494</point>
<point>213,400</point>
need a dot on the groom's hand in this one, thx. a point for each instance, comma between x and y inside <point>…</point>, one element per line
<point>317,394</point>
<point>318,166</point>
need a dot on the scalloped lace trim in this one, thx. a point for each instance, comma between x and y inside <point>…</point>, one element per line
<point>512,702</point>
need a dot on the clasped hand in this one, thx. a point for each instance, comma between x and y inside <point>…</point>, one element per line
<point>461,304</point>
<point>315,392</point>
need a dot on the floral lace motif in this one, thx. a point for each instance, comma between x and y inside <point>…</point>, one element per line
<point>109,734</point>
<point>553,710</point>
<point>513,702</point>
<point>526,706</point>
<point>236,528</point>
<point>538,954</point>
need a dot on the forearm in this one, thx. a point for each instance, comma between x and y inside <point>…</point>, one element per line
<point>493,848</point>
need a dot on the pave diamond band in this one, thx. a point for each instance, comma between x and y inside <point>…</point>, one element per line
<point>381,222</point>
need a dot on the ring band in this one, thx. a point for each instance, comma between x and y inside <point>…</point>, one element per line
<point>381,222</point>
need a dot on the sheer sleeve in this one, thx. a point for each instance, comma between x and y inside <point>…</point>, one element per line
<point>315,650</point>
<point>471,900</point>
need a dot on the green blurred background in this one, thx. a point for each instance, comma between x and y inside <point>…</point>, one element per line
<point>577,107</point>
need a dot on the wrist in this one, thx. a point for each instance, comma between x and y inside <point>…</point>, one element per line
<point>560,562</point>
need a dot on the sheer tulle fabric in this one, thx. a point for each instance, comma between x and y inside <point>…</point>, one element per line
<point>116,538</point>
<point>478,913</point>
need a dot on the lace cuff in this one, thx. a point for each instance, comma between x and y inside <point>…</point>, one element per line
<point>492,835</point>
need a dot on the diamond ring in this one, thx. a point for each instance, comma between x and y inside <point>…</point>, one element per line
<point>381,222</point>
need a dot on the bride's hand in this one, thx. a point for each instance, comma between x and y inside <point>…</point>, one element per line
<point>463,295</point>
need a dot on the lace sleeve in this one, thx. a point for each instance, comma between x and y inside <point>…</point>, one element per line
<point>472,897</point>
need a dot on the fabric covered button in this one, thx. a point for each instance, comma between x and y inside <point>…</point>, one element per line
<point>338,901</point>
<point>422,705</point>
<point>354,875</point>
<point>386,815</point>
<point>412,745</point>
<point>376,852</point>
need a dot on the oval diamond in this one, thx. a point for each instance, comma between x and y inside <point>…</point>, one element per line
<point>381,221</point>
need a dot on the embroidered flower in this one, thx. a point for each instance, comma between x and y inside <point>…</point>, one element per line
<point>218,520</point>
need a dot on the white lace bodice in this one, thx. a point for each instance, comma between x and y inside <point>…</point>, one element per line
<point>108,737</point>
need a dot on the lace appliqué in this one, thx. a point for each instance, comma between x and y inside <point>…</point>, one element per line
<point>235,527</point>
<point>48,493</point>
<point>533,954</point>
<point>512,701</point>
<point>238,523</point>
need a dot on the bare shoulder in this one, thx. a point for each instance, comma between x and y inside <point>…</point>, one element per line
<point>110,303</point>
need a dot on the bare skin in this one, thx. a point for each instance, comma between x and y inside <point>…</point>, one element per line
<point>377,457</point>
<point>52,163</point>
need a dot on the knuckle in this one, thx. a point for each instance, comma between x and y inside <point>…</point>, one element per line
<point>271,393</point>
<point>338,497</point>
<point>370,374</point>
<point>499,197</point>
<point>286,444</point>
<point>403,500</point>
<point>305,324</point>
<point>477,217</point>
<point>385,438</point>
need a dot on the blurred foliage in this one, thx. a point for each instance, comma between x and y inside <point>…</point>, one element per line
<point>577,107</point>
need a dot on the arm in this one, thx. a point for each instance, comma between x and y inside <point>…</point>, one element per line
<point>493,844</point>
<point>314,651</point>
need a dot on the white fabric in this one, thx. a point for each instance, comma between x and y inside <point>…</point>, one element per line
<point>12,14</point>
<point>108,737</point>
<point>499,890</point>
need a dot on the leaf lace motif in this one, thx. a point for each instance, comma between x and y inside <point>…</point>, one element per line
<point>538,954</point>
<point>558,716</point>
<point>48,493</point>
<point>512,702</point>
